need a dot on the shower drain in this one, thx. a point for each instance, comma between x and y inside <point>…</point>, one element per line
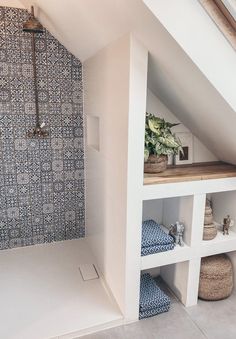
<point>88,272</point>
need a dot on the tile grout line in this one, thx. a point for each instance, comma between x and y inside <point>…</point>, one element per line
<point>195,323</point>
<point>188,315</point>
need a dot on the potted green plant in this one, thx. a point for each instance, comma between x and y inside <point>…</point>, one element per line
<point>159,143</point>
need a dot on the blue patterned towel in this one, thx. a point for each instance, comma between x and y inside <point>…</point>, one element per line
<point>154,239</point>
<point>151,296</point>
<point>154,311</point>
<point>156,249</point>
<point>152,299</point>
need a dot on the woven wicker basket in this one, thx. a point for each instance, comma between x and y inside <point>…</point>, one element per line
<point>155,164</point>
<point>208,210</point>
<point>216,278</point>
<point>209,232</point>
<point>208,219</point>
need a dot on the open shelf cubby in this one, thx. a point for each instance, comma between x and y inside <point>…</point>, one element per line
<point>223,204</point>
<point>175,276</point>
<point>166,212</point>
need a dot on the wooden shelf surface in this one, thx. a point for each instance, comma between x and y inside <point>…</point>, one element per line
<point>191,173</point>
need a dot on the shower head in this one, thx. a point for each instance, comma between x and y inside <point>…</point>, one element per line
<point>32,25</point>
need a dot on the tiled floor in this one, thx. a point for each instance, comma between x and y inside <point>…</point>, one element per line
<point>212,320</point>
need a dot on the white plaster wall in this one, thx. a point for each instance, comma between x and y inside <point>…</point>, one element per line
<point>192,28</point>
<point>115,92</point>
<point>155,106</point>
<point>152,209</point>
<point>106,96</point>
<point>136,122</point>
<point>11,3</point>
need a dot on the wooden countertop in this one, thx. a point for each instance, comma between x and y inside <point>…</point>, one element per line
<point>200,171</point>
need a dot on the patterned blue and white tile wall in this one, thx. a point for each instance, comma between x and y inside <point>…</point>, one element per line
<point>41,180</point>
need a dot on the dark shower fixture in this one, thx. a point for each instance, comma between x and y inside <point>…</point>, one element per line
<point>33,26</point>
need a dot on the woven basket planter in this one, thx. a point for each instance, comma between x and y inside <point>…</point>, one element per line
<point>155,164</point>
<point>208,219</point>
<point>208,210</point>
<point>216,278</point>
<point>209,232</point>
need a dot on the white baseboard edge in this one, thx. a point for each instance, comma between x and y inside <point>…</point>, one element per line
<point>93,329</point>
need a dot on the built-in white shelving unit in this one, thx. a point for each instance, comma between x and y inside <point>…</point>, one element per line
<point>119,197</point>
<point>185,201</point>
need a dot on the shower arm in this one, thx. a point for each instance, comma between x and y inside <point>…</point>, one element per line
<point>33,26</point>
<point>35,80</point>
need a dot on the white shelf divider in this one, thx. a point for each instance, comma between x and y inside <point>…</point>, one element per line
<point>199,201</point>
<point>178,254</point>
<point>220,244</point>
<point>192,282</point>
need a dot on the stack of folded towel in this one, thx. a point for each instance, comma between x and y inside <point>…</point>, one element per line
<point>152,300</point>
<point>154,239</point>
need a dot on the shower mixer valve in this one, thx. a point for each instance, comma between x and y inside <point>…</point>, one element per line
<point>38,132</point>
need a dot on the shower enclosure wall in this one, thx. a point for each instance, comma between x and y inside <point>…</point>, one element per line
<point>41,180</point>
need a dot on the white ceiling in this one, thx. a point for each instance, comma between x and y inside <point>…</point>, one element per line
<point>85,26</point>
<point>11,3</point>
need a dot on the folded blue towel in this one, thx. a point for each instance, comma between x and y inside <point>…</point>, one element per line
<point>154,311</point>
<point>152,299</point>
<point>156,249</point>
<point>152,234</point>
<point>154,239</point>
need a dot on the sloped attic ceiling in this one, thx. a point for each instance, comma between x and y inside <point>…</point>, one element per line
<point>85,26</point>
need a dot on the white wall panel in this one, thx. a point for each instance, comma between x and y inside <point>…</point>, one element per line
<point>115,92</point>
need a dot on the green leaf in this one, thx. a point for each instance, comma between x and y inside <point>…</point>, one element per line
<point>170,125</point>
<point>169,141</point>
<point>153,127</point>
